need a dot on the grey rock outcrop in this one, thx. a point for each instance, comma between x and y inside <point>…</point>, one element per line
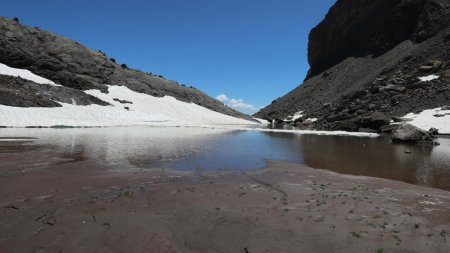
<point>367,56</point>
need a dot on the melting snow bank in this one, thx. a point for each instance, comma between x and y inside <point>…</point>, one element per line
<point>25,74</point>
<point>129,108</point>
<point>438,118</point>
<point>312,132</point>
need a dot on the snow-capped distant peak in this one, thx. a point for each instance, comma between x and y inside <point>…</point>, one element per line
<point>428,78</point>
<point>25,74</point>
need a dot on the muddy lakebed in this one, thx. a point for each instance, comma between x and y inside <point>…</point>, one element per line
<point>146,189</point>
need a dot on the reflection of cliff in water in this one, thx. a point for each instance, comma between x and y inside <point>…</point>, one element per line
<point>377,157</point>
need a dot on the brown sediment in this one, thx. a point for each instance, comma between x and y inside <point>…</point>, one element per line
<point>81,207</point>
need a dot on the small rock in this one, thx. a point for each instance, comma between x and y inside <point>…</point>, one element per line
<point>388,128</point>
<point>431,65</point>
<point>397,119</point>
<point>433,131</point>
<point>408,152</point>
<point>391,87</point>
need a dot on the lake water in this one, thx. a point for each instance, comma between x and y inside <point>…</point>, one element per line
<point>216,149</point>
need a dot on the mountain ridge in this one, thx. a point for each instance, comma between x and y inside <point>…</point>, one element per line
<point>77,67</point>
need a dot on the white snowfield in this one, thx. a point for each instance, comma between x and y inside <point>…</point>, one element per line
<point>25,74</point>
<point>428,78</point>
<point>427,119</point>
<point>143,110</point>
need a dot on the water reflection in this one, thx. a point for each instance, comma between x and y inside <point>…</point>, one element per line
<point>216,149</point>
<point>419,164</point>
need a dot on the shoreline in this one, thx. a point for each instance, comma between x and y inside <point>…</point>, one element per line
<point>284,207</point>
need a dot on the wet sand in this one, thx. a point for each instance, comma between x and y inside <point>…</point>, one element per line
<point>81,207</point>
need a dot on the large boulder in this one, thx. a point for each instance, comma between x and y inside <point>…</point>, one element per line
<point>375,121</point>
<point>408,133</point>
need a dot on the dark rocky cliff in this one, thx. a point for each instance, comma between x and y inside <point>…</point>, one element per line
<point>367,56</point>
<point>77,67</point>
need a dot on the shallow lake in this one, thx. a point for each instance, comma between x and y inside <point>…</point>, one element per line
<point>202,149</point>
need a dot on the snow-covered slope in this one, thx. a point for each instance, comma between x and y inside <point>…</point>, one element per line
<point>438,118</point>
<point>127,108</point>
<point>25,74</point>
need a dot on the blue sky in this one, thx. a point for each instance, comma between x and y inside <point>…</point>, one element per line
<point>251,51</point>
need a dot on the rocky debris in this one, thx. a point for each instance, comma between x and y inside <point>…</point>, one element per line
<point>75,66</point>
<point>408,133</point>
<point>373,77</point>
<point>431,65</point>
<point>375,121</point>
<point>391,87</point>
<point>15,91</point>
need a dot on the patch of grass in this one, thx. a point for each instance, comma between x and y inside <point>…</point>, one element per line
<point>379,250</point>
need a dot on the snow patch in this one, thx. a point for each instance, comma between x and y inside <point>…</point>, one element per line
<point>294,117</point>
<point>144,110</point>
<point>310,120</point>
<point>438,118</point>
<point>25,74</point>
<point>428,78</point>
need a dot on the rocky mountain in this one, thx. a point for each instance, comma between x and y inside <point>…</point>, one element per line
<point>75,69</point>
<point>371,60</point>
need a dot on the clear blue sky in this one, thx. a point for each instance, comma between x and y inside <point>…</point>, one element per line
<point>255,50</point>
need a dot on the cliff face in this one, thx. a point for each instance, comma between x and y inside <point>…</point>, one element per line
<point>76,68</point>
<point>367,56</point>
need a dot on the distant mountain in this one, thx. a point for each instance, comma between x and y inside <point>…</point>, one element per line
<point>56,72</point>
<point>372,59</point>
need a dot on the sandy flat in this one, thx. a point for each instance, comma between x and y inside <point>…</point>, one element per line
<point>81,207</point>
